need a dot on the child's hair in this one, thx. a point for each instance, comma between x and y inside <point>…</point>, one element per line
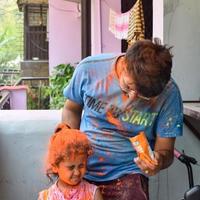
<point>65,143</point>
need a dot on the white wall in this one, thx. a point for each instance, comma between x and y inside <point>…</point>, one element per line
<point>23,145</point>
<point>182,30</point>
<point>103,41</point>
<point>171,183</point>
<point>108,42</point>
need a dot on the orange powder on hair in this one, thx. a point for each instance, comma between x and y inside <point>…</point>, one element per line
<point>66,143</point>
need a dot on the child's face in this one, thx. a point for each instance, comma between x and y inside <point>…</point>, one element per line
<point>71,171</point>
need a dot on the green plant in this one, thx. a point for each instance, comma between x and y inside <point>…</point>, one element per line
<point>11,34</point>
<point>11,41</point>
<point>59,79</point>
<point>38,96</point>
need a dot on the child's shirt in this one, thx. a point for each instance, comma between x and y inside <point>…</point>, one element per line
<point>83,191</point>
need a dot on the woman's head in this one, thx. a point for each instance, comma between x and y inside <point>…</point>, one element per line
<point>67,154</point>
<point>149,65</point>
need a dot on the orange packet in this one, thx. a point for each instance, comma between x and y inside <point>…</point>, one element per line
<point>142,147</point>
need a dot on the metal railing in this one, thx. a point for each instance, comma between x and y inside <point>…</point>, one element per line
<point>33,83</point>
<point>9,76</point>
<point>4,100</point>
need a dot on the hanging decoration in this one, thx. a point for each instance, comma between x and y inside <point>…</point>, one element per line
<point>118,24</point>
<point>129,25</point>
<point>136,28</point>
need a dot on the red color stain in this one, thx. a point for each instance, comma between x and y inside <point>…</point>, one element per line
<point>107,135</point>
<point>101,159</point>
<point>124,97</point>
<point>109,81</point>
<point>94,123</point>
<point>114,121</point>
<point>118,183</point>
<point>108,153</point>
<point>98,85</point>
<point>100,173</point>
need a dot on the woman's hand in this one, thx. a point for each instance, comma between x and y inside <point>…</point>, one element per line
<point>148,168</point>
<point>164,155</point>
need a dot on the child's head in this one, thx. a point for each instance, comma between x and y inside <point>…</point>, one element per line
<point>67,154</point>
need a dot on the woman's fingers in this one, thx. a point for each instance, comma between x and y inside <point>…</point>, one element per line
<point>147,167</point>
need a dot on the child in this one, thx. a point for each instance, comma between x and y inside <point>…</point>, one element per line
<point>67,159</point>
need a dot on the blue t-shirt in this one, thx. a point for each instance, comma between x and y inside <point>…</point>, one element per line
<point>110,118</point>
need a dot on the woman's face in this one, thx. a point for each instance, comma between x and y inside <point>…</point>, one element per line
<point>128,86</point>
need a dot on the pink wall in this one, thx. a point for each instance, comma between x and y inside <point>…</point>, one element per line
<point>109,42</point>
<point>103,41</point>
<point>64,33</point>
<point>18,100</point>
<point>65,29</point>
<point>18,96</point>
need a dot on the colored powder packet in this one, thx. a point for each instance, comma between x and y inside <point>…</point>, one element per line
<point>142,147</point>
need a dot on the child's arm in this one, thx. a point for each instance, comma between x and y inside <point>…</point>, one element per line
<point>98,195</point>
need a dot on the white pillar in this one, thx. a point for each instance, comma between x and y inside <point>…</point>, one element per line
<point>158,17</point>
<point>96,27</point>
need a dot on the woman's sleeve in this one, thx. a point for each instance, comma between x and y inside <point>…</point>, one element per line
<point>75,90</point>
<point>170,118</point>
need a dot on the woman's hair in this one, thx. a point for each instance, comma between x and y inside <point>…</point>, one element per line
<point>149,63</point>
<point>65,143</point>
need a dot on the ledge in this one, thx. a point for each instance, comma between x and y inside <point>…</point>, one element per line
<point>35,61</point>
<point>192,117</point>
<point>30,115</point>
<point>192,109</point>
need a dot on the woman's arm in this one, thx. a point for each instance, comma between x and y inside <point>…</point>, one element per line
<point>71,114</point>
<point>164,149</point>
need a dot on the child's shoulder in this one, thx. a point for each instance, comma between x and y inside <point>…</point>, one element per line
<point>46,193</point>
<point>89,188</point>
<point>84,189</point>
<point>87,184</point>
<point>43,195</point>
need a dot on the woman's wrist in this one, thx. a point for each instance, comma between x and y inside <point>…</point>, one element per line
<point>165,158</point>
